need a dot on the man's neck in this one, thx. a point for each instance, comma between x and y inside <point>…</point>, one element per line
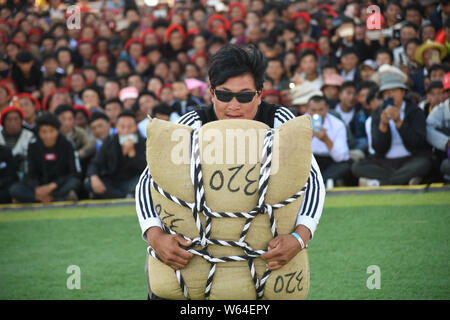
<point>311,76</point>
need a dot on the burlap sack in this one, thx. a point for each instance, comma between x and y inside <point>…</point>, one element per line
<point>230,187</point>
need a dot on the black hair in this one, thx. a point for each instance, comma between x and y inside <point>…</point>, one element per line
<point>438,66</point>
<point>446,23</point>
<point>127,113</point>
<point>365,85</point>
<point>64,49</point>
<point>413,40</point>
<point>410,25</point>
<point>234,60</point>
<point>414,7</point>
<point>215,39</point>
<point>112,100</point>
<point>151,48</point>
<point>373,93</point>
<point>146,93</point>
<point>317,99</point>
<point>384,50</point>
<point>307,52</point>
<point>64,108</point>
<point>162,108</point>
<point>48,56</point>
<point>98,115</point>
<point>347,84</point>
<point>47,119</point>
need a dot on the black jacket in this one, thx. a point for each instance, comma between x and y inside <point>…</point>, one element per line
<point>110,162</point>
<point>8,167</point>
<point>57,164</point>
<point>412,132</point>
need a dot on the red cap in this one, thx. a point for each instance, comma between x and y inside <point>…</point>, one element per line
<point>150,31</point>
<point>240,5</point>
<point>273,92</point>
<point>446,82</point>
<point>304,15</point>
<point>218,16</point>
<point>27,95</point>
<point>79,107</point>
<point>171,28</point>
<point>11,109</point>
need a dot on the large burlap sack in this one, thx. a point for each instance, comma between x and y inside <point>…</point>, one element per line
<point>230,186</point>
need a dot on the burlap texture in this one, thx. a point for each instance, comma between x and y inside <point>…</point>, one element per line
<point>230,187</point>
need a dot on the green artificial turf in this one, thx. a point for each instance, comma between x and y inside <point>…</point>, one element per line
<point>405,235</point>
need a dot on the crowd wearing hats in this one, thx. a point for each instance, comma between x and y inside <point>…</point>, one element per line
<point>379,79</point>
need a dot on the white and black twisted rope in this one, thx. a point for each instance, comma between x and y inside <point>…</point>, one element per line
<point>200,206</point>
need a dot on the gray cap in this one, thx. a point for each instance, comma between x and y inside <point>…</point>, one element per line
<point>391,80</point>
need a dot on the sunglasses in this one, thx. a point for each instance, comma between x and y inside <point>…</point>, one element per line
<point>242,97</point>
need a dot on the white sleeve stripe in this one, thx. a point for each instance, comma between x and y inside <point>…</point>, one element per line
<point>139,205</point>
<point>282,117</point>
<point>317,191</point>
<point>188,117</point>
<point>287,113</point>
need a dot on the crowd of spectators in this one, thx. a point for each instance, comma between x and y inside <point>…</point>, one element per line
<point>78,79</point>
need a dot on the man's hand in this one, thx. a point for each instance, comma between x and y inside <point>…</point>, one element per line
<point>322,136</point>
<point>44,193</point>
<point>97,185</point>
<point>281,250</point>
<point>128,148</point>
<point>168,248</point>
<point>285,247</point>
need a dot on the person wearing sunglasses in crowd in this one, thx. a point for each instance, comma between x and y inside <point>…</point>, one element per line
<point>236,75</point>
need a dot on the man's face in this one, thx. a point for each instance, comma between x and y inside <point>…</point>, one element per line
<point>347,97</point>
<point>100,128</point>
<point>48,135</point>
<point>274,70</point>
<point>126,125</point>
<point>113,110</point>
<point>414,17</point>
<point>235,109</point>
<point>349,61</point>
<point>13,123</point>
<point>397,94</point>
<point>383,58</point>
<point>366,73</point>
<point>67,121</point>
<point>407,33</point>
<point>146,104</point>
<point>362,97</point>
<point>308,64</point>
<point>437,75</point>
<point>318,108</point>
<point>434,96</point>
<point>111,90</point>
<point>25,67</point>
<point>180,90</point>
<point>28,107</point>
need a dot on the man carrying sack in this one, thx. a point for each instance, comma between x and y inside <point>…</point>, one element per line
<point>236,74</point>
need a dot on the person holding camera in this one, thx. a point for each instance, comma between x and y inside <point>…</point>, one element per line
<point>115,170</point>
<point>396,131</point>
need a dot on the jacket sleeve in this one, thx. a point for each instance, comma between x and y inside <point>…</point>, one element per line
<point>413,130</point>
<point>32,166</point>
<point>381,142</point>
<point>73,167</point>
<point>88,144</point>
<point>435,137</point>
<point>9,174</point>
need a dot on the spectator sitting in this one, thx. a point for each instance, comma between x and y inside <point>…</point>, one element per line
<point>433,97</point>
<point>53,169</point>
<point>397,140</point>
<point>14,136</point>
<point>367,69</point>
<point>308,65</point>
<point>100,128</point>
<point>83,142</point>
<point>429,53</point>
<point>82,115</point>
<point>115,169</point>
<point>349,64</point>
<point>184,101</point>
<point>29,105</point>
<point>329,143</point>
<point>438,132</point>
<point>330,89</point>
<point>91,99</point>
<point>26,73</point>
<point>8,173</point>
<point>383,56</point>
<point>113,108</point>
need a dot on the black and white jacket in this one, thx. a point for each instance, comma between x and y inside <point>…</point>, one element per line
<point>274,116</point>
